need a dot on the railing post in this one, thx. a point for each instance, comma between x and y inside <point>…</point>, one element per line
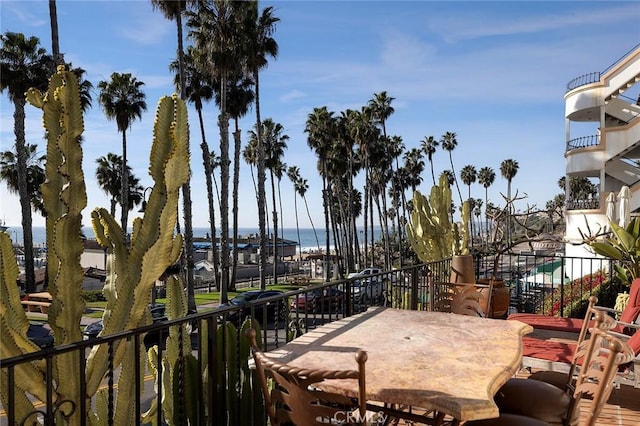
<point>414,290</point>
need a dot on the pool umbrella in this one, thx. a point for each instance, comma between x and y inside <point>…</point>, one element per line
<point>624,210</point>
<point>610,211</point>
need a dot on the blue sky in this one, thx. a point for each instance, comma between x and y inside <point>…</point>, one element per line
<point>493,72</point>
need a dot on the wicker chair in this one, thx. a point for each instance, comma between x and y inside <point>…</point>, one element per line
<point>460,298</point>
<point>293,400</point>
<point>533,402</point>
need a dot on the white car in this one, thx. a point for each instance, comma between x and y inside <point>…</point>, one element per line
<point>366,291</point>
<point>373,271</point>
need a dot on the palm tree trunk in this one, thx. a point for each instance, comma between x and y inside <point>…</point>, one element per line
<point>188,244</point>
<point>206,160</point>
<point>223,123</point>
<point>306,205</point>
<point>124,191</point>
<point>365,199</point>
<point>236,186</point>
<point>183,95</point>
<point>55,42</point>
<point>327,254</point>
<point>23,191</point>
<point>261,191</point>
<point>275,229</point>
<point>295,207</point>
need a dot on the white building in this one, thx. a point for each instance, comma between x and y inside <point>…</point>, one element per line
<point>602,115</point>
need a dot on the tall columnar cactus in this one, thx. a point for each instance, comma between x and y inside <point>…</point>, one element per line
<point>431,233</point>
<point>133,266</point>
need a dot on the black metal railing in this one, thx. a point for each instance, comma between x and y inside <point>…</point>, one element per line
<point>592,77</point>
<point>583,80</point>
<point>281,318</point>
<point>583,142</point>
<point>590,203</point>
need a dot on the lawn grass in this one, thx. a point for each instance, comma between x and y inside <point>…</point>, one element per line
<point>95,309</point>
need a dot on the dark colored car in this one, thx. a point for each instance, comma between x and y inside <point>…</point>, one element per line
<point>40,335</point>
<point>274,308</point>
<point>92,330</point>
<point>319,299</point>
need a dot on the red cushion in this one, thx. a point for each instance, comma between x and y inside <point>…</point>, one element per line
<point>544,322</point>
<point>632,310</point>
<point>548,350</point>
<point>634,343</point>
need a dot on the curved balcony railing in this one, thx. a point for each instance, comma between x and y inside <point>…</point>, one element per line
<point>583,80</point>
<point>592,77</point>
<point>592,203</point>
<point>583,142</point>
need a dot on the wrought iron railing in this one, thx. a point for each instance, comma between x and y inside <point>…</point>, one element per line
<point>583,80</point>
<point>583,142</point>
<point>283,318</point>
<point>590,203</point>
<point>592,77</point>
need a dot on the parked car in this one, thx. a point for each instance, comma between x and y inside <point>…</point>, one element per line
<point>367,291</point>
<point>319,299</point>
<point>91,331</point>
<point>278,308</point>
<point>368,272</point>
<point>40,335</point>
<point>364,272</point>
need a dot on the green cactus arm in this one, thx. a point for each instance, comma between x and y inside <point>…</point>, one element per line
<point>13,328</point>
<point>153,247</point>
<point>125,413</point>
<point>22,404</point>
<point>64,198</point>
<point>10,308</point>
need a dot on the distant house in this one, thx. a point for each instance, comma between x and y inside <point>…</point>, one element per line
<point>247,249</point>
<point>94,255</point>
<point>94,279</point>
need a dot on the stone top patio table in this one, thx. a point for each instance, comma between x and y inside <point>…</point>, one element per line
<point>446,362</point>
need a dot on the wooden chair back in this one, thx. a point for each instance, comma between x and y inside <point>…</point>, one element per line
<point>293,398</point>
<point>461,298</point>
<point>599,358</point>
<point>596,319</point>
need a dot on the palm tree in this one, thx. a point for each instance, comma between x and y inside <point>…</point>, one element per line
<point>109,174</point>
<point>23,64</point>
<point>173,9</point>
<point>365,135</point>
<point>275,143</point>
<point>320,129</point>
<point>197,89</point>
<point>239,97</point>
<point>429,145</point>
<point>55,43</point>
<point>448,142</point>
<point>217,38</point>
<point>414,165</point>
<point>381,109</point>
<point>468,176</point>
<point>486,176</point>
<point>508,170</point>
<point>293,173</point>
<point>122,100</point>
<point>35,174</point>
<point>260,45</point>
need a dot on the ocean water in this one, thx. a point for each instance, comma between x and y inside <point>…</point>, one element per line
<point>307,236</point>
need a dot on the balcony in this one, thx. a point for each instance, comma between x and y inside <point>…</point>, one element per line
<point>211,383</point>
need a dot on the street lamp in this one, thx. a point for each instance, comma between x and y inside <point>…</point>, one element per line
<point>144,200</point>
